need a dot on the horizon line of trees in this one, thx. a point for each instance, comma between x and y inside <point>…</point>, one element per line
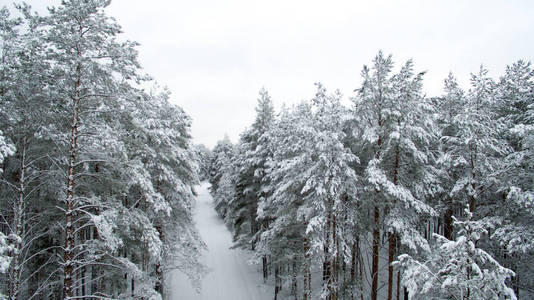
<point>97,174</point>
<point>397,196</point>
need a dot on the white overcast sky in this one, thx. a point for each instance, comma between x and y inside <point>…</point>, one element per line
<point>215,55</point>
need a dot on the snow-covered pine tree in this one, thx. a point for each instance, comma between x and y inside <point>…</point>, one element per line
<point>310,173</point>
<point>515,95</point>
<point>410,153</point>
<point>221,176</point>
<point>118,161</point>
<point>94,77</point>
<point>162,180</point>
<point>457,269</point>
<point>203,154</point>
<point>26,110</point>
<point>475,146</point>
<point>250,166</point>
<point>395,136</point>
<point>449,106</point>
<point>284,237</point>
<point>372,108</point>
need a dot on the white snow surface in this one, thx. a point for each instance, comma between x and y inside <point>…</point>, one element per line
<point>231,276</point>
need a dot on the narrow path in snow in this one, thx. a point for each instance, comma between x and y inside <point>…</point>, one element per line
<point>230,277</point>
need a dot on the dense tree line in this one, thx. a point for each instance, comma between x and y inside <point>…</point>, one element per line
<point>396,196</point>
<point>97,173</point>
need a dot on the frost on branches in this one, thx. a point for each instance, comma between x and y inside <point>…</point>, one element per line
<point>457,269</point>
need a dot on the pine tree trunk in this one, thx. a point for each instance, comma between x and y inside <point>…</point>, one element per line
<point>376,220</point>
<point>94,268</point>
<point>40,291</point>
<point>392,236</point>
<point>392,242</point>
<point>353,268</point>
<point>252,229</point>
<point>344,272</point>
<point>335,268</point>
<point>398,285</point>
<point>307,272</point>
<point>515,281</point>
<point>360,266</point>
<point>264,268</point>
<point>276,281</point>
<point>294,291</point>
<point>133,287</point>
<point>159,274</point>
<point>69,263</point>
<point>472,201</point>
<point>376,242</point>
<point>304,284</point>
<point>447,220</point>
<point>327,264</point>
<point>18,225</point>
<point>82,274</point>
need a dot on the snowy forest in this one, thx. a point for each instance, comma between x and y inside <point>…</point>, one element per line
<point>397,196</point>
<point>98,173</point>
<point>385,193</point>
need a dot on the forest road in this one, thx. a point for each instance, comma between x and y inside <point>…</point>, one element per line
<point>230,275</point>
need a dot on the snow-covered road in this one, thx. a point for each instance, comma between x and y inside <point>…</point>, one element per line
<point>230,276</point>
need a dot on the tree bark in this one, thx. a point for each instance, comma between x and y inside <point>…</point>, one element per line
<point>294,291</point>
<point>392,236</point>
<point>376,242</point>
<point>307,272</point>
<point>392,245</point>
<point>360,267</point>
<point>376,219</point>
<point>277,287</point>
<point>398,285</point>
<point>70,207</point>
<point>447,220</point>
<point>334,280</point>
<point>472,201</point>
<point>18,225</point>
<point>353,268</point>
<point>159,274</point>
<point>264,267</point>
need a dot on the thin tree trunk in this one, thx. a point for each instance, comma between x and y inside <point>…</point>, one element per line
<point>353,268</point>
<point>391,257</point>
<point>327,264</point>
<point>335,268</point>
<point>70,207</point>
<point>515,280</point>
<point>447,220</point>
<point>344,272</point>
<point>294,291</point>
<point>307,273</point>
<point>374,267</point>
<point>398,285</point>
<point>392,236</point>
<point>264,267</point>
<point>83,268</point>
<point>159,274</point>
<point>472,201</point>
<point>360,266</point>
<point>253,228</point>
<point>133,287</point>
<point>18,225</point>
<point>376,219</point>
<point>276,281</point>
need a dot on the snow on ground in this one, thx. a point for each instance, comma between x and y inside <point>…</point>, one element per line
<point>231,277</point>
